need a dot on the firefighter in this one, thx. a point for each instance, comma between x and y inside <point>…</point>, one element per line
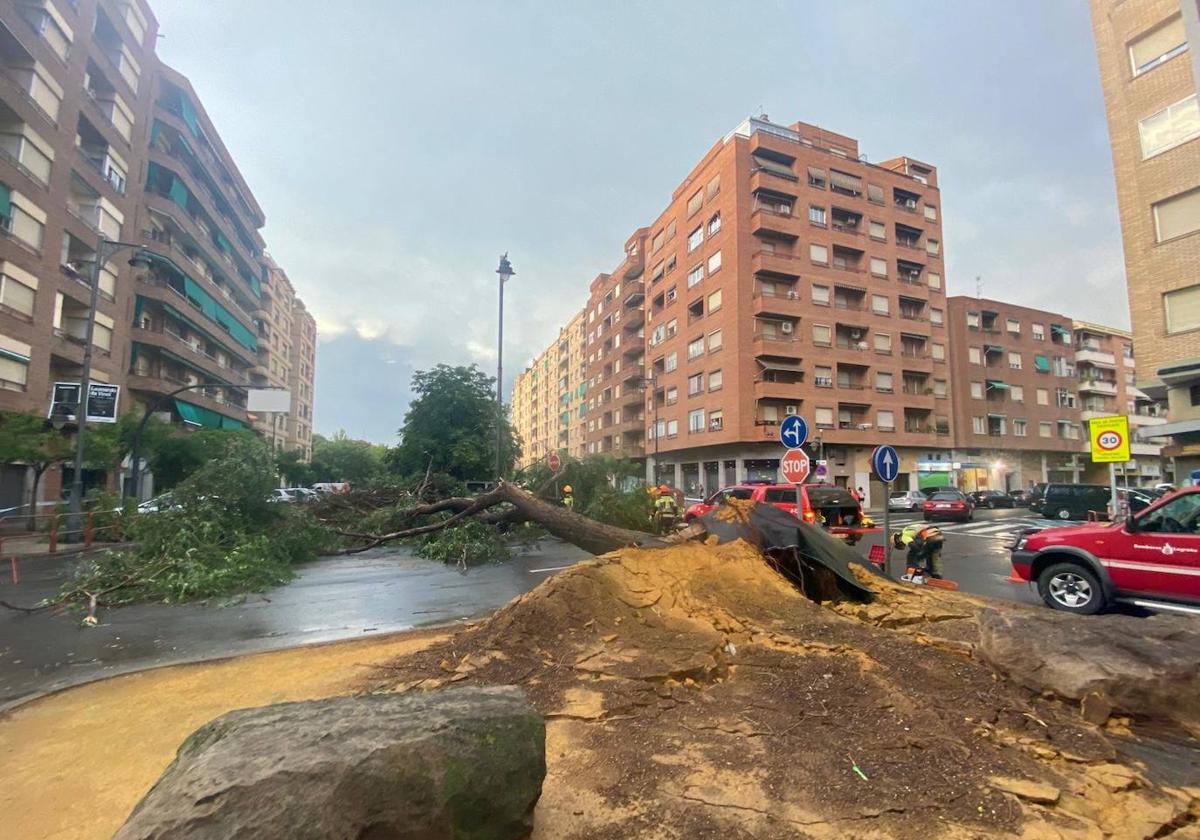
<point>568,498</point>
<point>666,511</point>
<point>924,543</point>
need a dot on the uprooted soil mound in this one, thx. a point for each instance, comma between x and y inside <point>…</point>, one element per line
<point>692,692</point>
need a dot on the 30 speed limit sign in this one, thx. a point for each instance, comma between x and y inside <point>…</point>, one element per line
<point>1110,439</point>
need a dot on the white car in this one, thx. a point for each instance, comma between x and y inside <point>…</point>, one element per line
<point>906,500</point>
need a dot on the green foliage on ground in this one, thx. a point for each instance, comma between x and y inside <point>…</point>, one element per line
<point>606,489</point>
<point>224,536</point>
<point>450,427</point>
<point>472,543</point>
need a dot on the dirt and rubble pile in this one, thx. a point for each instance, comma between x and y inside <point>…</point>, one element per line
<point>693,692</point>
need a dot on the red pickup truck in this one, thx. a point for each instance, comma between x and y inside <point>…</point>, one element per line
<point>827,504</point>
<point>1150,559</point>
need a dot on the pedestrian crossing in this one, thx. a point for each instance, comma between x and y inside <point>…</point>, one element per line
<point>996,529</point>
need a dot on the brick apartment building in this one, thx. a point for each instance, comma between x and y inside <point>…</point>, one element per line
<point>302,361</point>
<point>99,139</point>
<point>787,275</point>
<point>1105,362</point>
<point>1016,409</point>
<point>548,396</point>
<point>286,339</point>
<point>1153,115</point>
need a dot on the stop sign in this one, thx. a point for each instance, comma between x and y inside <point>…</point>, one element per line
<point>795,466</point>
<point>554,462</point>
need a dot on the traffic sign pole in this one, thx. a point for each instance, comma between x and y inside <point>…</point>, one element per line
<point>887,529</point>
<point>1112,486</point>
<point>885,461</point>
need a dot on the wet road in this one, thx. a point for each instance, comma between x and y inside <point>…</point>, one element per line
<point>381,591</point>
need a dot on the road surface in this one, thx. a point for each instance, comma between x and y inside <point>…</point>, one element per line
<point>381,591</point>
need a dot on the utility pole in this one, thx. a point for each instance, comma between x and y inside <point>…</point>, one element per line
<point>506,272</point>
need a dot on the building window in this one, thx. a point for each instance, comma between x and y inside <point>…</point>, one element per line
<point>818,254</point>
<point>883,382</point>
<point>671,362</point>
<point>714,224</point>
<point>938,352</point>
<point>879,231</point>
<point>1019,427</point>
<point>1153,48</point>
<point>1016,393</point>
<point>696,420</point>
<point>1014,361</point>
<point>695,348</point>
<point>715,378</point>
<point>883,343</point>
<point>816,215</point>
<point>1038,332</point>
<point>939,387</point>
<point>823,418</point>
<point>671,395</point>
<point>25,221</point>
<point>1176,216</point>
<point>659,240</point>
<point>695,384</point>
<point>820,295</point>
<point>1043,396</point>
<point>695,275</point>
<point>979,425</point>
<point>821,335</point>
<point>714,301</point>
<point>18,289</point>
<point>977,390</point>
<point>693,205</point>
<point>932,247</point>
<point>930,213</point>
<point>879,304</point>
<point>974,356</point>
<point>695,238</point>
<point>1194,394</point>
<point>1013,326</point>
<point>885,420</point>
<point>823,376</point>
<point>1181,309</point>
<point>935,281</point>
<point>816,177</point>
<point>878,267</point>
<point>936,317</point>
<point>973,320</point>
<point>1170,127</point>
<point>875,194</point>
<point>716,420</point>
<point>714,186</point>
<point>714,263</point>
<point>714,340</point>
<point>672,428</point>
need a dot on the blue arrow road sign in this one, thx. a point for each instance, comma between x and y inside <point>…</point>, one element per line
<point>793,431</point>
<point>886,463</point>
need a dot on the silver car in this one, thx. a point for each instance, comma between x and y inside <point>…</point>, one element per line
<point>906,500</point>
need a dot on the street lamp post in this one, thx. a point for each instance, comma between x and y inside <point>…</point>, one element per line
<point>105,248</point>
<point>506,273</point>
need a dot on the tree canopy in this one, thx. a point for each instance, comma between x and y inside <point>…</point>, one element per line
<point>335,459</point>
<point>451,426</point>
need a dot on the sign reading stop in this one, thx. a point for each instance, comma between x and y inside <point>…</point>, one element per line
<point>554,462</point>
<point>794,466</point>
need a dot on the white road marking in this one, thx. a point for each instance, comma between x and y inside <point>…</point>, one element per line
<point>551,569</point>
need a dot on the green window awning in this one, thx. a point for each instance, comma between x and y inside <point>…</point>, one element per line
<point>195,415</point>
<point>997,384</point>
<point>178,192</point>
<point>5,200</point>
<point>16,357</point>
<point>230,423</point>
<point>188,113</point>
<point>1060,330</point>
<point>992,348</point>
<point>191,322</point>
<point>208,305</point>
<point>1042,364</point>
<point>223,243</point>
<point>988,313</point>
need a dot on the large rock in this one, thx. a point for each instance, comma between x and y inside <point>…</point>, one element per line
<point>1149,667</point>
<point>463,763</point>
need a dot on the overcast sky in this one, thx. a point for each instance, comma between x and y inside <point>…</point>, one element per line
<point>398,147</point>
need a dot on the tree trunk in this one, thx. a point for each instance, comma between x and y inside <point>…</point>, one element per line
<point>590,535</point>
<point>31,523</point>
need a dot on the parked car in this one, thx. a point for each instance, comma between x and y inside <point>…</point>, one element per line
<point>992,499</point>
<point>1139,500</point>
<point>1020,498</point>
<point>826,504</point>
<point>158,504</point>
<point>281,496</point>
<point>1072,501</point>
<point>906,500</point>
<point>1035,493</point>
<point>948,504</point>
<point>304,495</point>
<point>1151,559</point>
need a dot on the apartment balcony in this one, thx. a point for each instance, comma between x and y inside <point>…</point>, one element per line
<point>160,384</point>
<point>173,342</point>
<point>780,345</point>
<point>1098,386</point>
<point>785,305</point>
<point>783,266</point>
<point>1095,357</point>
<point>1145,420</point>
<point>774,181</point>
<point>774,224</point>
<point>633,265</point>
<point>789,391</point>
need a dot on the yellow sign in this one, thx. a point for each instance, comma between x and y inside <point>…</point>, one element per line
<point>1110,439</point>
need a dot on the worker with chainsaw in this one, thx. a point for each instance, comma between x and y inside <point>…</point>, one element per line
<point>568,497</point>
<point>924,543</point>
<point>666,511</point>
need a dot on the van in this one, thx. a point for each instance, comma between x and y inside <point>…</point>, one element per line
<point>1071,501</point>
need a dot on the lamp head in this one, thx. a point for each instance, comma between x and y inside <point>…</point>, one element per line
<point>505,270</point>
<point>140,260</point>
